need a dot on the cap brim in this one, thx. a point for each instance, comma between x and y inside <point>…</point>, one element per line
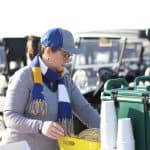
<point>72,50</point>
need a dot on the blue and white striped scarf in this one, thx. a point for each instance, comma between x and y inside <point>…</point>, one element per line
<point>42,74</point>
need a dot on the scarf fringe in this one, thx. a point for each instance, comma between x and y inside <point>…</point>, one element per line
<point>38,107</point>
<point>67,125</point>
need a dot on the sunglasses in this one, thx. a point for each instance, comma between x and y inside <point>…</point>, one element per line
<point>66,54</point>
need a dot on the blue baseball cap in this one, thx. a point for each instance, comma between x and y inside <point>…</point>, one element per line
<point>61,39</point>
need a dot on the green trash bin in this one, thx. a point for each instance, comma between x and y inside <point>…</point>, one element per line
<point>132,103</point>
<point>145,88</point>
<point>111,88</point>
<point>142,79</point>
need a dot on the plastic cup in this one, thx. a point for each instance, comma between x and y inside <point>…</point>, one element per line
<point>108,112</point>
<point>125,138</point>
<point>108,125</point>
<point>108,136</point>
<point>126,146</point>
<point>125,132</point>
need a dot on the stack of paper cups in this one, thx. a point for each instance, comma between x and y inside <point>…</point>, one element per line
<point>125,138</point>
<point>108,126</point>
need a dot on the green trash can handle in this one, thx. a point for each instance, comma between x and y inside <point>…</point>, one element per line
<point>141,78</point>
<point>109,85</point>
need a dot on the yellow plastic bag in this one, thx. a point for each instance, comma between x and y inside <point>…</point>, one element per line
<point>72,143</point>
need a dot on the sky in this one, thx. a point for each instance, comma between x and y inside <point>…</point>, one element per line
<point>35,17</point>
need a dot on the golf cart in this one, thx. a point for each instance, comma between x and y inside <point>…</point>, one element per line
<point>13,57</point>
<point>105,56</point>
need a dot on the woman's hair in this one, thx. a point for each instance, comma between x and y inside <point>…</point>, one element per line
<point>33,46</point>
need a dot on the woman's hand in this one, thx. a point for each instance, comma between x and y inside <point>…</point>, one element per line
<point>52,130</point>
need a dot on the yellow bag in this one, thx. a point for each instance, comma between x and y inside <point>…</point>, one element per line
<point>72,143</point>
<point>88,139</point>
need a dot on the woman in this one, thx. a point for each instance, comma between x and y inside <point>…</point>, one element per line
<point>40,99</point>
<point>32,46</point>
